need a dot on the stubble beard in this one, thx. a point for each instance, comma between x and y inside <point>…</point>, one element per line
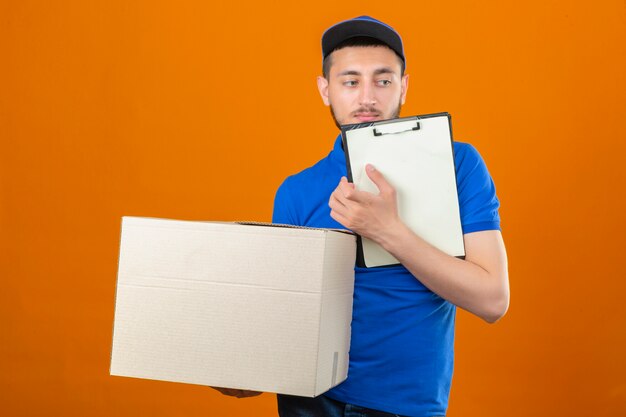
<point>394,115</point>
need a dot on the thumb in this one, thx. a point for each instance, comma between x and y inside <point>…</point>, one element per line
<point>378,179</point>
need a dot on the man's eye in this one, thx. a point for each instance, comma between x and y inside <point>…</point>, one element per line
<point>384,83</point>
<point>350,83</point>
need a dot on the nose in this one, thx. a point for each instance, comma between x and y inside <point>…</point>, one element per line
<point>367,95</point>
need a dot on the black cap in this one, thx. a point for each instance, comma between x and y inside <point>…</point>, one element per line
<point>361,26</point>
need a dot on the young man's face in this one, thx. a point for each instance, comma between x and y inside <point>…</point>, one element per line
<point>364,84</point>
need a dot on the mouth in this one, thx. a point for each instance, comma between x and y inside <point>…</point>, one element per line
<point>367,116</point>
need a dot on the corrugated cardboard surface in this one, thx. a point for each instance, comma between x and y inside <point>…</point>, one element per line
<point>240,306</point>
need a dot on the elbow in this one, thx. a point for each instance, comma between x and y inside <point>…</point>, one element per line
<point>497,309</point>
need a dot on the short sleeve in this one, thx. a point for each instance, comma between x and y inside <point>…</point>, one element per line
<point>478,202</point>
<point>283,206</point>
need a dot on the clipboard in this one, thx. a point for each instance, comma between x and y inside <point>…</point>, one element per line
<point>416,155</point>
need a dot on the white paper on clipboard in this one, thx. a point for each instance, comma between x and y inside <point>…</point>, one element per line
<point>415,154</point>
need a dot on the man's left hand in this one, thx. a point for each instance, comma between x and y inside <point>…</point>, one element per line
<point>239,393</point>
<point>367,214</point>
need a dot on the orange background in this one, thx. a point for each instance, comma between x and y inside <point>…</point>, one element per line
<point>187,110</point>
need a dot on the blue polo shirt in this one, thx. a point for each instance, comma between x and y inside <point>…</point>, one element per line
<point>402,345</point>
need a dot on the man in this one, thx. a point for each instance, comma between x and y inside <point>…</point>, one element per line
<point>401,352</point>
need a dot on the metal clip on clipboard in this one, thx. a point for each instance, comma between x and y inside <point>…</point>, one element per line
<point>391,131</point>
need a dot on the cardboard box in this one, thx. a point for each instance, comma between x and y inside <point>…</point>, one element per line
<point>248,306</point>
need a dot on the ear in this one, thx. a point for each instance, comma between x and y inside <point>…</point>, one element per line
<point>322,86</point>
<point>404,87</point>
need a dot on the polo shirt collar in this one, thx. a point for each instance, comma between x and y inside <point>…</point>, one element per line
<point>337,153</point>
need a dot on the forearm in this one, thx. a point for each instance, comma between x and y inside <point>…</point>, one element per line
<point>478,284</point>
<point>462,282</point>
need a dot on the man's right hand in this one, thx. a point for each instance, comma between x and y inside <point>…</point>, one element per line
<point>239,393</point>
